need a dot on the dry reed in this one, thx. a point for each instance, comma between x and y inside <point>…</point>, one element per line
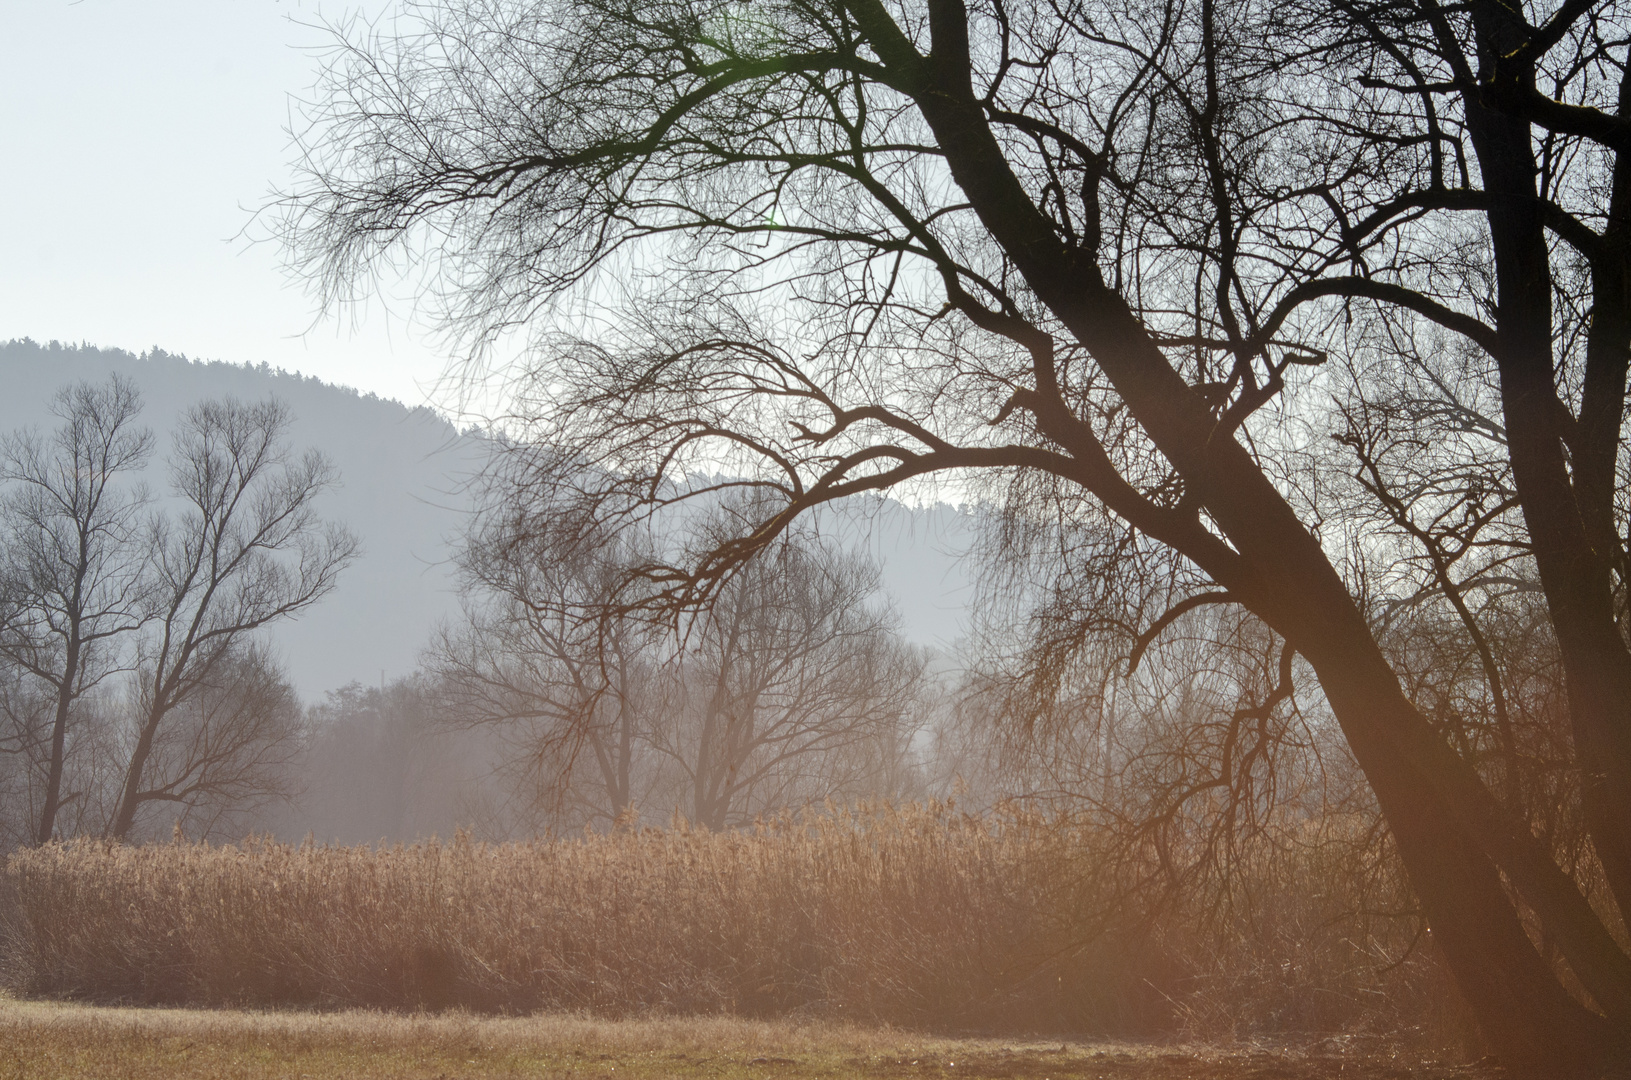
<point>51,1040</point>
<point>917,916</point>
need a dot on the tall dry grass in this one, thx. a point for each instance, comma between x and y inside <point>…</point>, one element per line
<point>913,915</point>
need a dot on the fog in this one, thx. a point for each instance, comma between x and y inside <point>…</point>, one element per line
<point>381,758</point>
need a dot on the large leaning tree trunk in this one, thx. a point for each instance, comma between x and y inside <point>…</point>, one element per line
<point>1117,254</point>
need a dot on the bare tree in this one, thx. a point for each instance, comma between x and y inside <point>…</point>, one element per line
<point>796,689</point>
<point>793,689</point>
<point>245,549</point>
<point>546,658</point>
<point>75,577</point>
<point>228,747</point>
<point>1102,258</point>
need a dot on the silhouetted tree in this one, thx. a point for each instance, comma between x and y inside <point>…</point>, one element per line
<point>1102,256</point>
<point>794,688</point>
<point>545,658</point>
<point>228,747</point>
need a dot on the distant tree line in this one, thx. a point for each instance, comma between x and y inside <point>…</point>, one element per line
<point>792,686</point>
<point>139,691</point>
<point>552,706</point>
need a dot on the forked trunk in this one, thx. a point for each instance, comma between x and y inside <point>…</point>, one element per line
<point>1455,841</point>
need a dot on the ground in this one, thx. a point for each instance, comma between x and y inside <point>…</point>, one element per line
<point>46,1040</point>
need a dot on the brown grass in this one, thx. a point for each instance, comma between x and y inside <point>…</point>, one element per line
<point>914,916</point>
<point>46,1041</point>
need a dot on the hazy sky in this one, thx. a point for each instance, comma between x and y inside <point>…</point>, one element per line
<point>136,137</point>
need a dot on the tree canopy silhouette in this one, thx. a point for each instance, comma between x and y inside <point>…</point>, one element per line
<point>1136,264</point>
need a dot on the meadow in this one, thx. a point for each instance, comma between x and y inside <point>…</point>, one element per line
<point>918,917</point>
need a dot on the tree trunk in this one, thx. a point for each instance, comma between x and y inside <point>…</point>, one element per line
<point>1562,510</point>
<point>59,747</point>
<point>1449,832</point>
<point>1430,796</point>
<point>1529,1019</point>
<point>124,819</point>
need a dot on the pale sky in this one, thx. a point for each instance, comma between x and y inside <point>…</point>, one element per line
<point>136,137</point>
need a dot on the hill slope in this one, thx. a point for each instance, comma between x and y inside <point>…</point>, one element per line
<point>401,474</point>
<point>400,471</point>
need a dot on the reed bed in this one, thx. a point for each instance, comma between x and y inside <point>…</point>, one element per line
<point>52,1040</point>
<point>917,916</point>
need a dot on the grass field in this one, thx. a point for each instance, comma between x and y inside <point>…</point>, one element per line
<point>45,1040</point>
